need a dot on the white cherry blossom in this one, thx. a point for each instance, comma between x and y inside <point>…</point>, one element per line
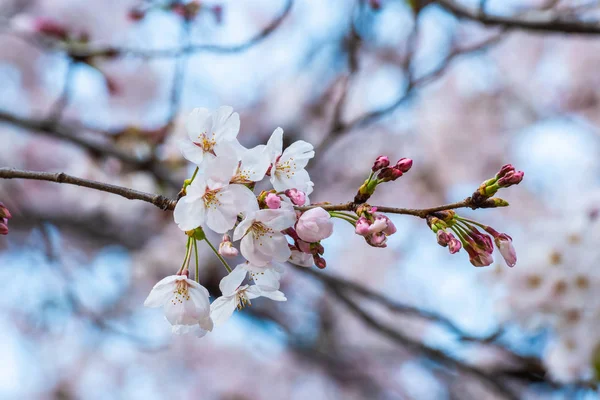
<point>211,199</point>
<point>288,170</point>
<point>262,240</point>
<point>210,132</point>
<point>236,295</point>
<point>185,302</point>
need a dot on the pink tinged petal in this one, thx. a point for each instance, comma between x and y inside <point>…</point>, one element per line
<point>222,308</point>
<point>221,219</point>
<point>181,311</point>
<point>301,152</point>
<point>221,169</point>
<point>189,213</point>
<point>199,122</point>
<point>379,225</point>
<point>161,292</point>
<point>252,251</point>
<point>226,123</point>
<point>277,246</point>
<point>193,153</point>
<point>243,226</point>
<point>233,280</point>
<point>243,199</point>
<point>507,251</point>
<point>275,145</point>
<point>277,220</point>
<point>206,324</point>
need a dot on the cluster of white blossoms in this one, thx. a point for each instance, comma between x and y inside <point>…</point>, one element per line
<point>220,197</point>
<point>555,291</point>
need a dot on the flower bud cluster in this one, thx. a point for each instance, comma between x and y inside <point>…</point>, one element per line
<point>373,226</point>
<point>506,177</point>
<point>381,172</point>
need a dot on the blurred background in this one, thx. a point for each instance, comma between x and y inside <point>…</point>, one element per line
<point>101,89</point>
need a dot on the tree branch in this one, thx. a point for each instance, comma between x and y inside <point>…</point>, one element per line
<point>530,24</point>
<point>159,201</point>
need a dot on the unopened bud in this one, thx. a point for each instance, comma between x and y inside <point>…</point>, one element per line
<point>404,164</point>
<point>511,178</point>
<point>380,162</point>
<point>296,196</point>
<point>505,170</point>
<point>377,239</point>
<point>226,248</point>
<point>273,201</point>
<point>362,226</point>
<point>389,174</point>
<point>320,262</point>
<point>4,213</point>
<point>454,246</point>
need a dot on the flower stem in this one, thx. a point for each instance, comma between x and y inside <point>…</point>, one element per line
<point>344,217</point>
<point>194,175</point>
<point>187,256</point>
<point>227,267</point>
<point>197,262</point>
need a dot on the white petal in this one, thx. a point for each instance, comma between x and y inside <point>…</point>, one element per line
<point>226,123</point>
<point>255,163</point>
<point>222,308</point>
<point>161,292</point>
<point>301,152</point>
<point>275,295</point>
<point>298,180</point>
<point>199,122</point>
<point>182,311</point>
<point>243,226</point>
<point>221,169</point>
<point>189,213</point>
<point>301,259</point>
<point>267,279</point>
<point>251,250</point>
<point>206,324</point>
<point>278,219</point>
<point>275,144</point>
<point>278,247</point>
<point>191,152</point>
<point>244,199</point>
<point>232,281</point>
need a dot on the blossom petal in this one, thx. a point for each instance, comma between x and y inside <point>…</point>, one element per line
<point>278,219</point>
<point>189,213</point>
<point>243,226</point>
<point>226,123</point>
<point>161,292</point>
<point>301,259</point>
<point>300,152</point>
<point>252,251</point>
<point>191,152</point>
<point>198,122</point>
<point>222,308</point>
<point>232,281</point>
<point>275,145</point>
<point>254,163</point>
<point>300,180</point>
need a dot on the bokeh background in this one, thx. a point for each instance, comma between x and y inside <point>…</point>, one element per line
<point>101,89</point>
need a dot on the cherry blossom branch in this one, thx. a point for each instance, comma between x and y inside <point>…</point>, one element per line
<point>534,24</point>
<point>159,201</point>
<point>165,203</point>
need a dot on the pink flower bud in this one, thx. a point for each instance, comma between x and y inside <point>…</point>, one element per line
<point>273,201</point>
<point>443,237</point>
<point>314,225</point>
<point>362,226</point>
<point>507,250</point>
<point>320,262</point>
<point>511,178</point>
<point>404,164</point>
<point>478,257</point>
<point>377,239</point>
<point>297,197</point>
<point>454,245</point>
<point>391,228</point>
<point>504,170</point>
<point>51,28</point>
<point>4,213</point>
<point>389,174</point>
<point>226,248</point>
<point>380,162</point>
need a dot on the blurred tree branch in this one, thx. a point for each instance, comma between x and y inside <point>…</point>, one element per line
<point>540,23</point>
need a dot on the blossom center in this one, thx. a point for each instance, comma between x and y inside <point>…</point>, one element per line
<point>205,143</point>
<point>242,300</point>
<point>259,230</point>
<point>181,293</point>
<point>287,168</point>
<point>211,199</point>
